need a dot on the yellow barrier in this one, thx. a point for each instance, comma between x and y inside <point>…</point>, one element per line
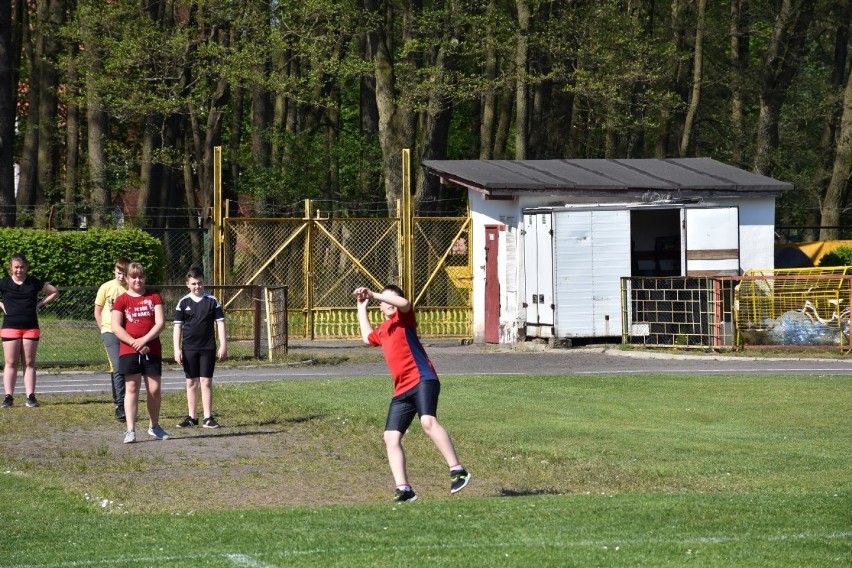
<point>795,306</point>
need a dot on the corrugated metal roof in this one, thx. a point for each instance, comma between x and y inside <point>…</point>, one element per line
<point>683,174</point>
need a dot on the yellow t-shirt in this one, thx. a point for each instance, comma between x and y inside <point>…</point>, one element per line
<point>107,294</point>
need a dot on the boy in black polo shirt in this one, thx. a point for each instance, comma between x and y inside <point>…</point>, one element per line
<point>197,316</point>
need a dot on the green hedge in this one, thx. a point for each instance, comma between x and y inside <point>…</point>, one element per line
<point>82,258</point>
<point>841,256</point>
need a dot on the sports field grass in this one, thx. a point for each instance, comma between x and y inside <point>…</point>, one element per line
<point>567,471</point>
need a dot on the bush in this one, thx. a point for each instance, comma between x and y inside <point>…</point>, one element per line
<point>841,256</point>
<point>72,258</point>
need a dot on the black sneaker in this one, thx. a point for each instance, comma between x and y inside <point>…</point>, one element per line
<point>8,401</point>
<point>188,422</point>
<point>31,401</point>
<point>459,480</point>
<point>119,413</point>
<point>210,422</point>
<point>404,495</point>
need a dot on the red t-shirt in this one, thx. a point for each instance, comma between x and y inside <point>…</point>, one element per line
<point>406,358</point>
<point>138,319</point>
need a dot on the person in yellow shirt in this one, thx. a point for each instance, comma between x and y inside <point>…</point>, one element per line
<point>104,300</point>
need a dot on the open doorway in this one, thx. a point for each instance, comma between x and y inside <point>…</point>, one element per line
<point>655,239</point>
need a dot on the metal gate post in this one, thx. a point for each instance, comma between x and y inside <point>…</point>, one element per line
<point>217,230</point>
<point>407,269</point>
<point>308,265</point>
<point>258,314</point>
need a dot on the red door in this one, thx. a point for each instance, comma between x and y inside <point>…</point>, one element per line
<point>492,285</point>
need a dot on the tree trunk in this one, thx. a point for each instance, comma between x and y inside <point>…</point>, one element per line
<point>148,171</point>
<point>194,236</point>
<point>778,68</point>
<point>8,89</point>
<point>838,185</point>
<point>368,181</point>
<point>435,142</point>
<point>687,138</point>
<point>96,121</point>
<point>396,124</point>
<point>642,12</point>
<point>676,81</point>
<point>260,104</point>
<point>611,144</point>
<point>205,142</point>
<point>540,119</point>
<point>162,199</point>
<point>235,140</point>
<point>212,138</point>
<point>331,127</point>
<point>521,81</point>
<point>280,63</point>
<point>261,149</point>
<point>28,172</point>
<point>833,110</point>
<point>436,131</point>
<point>739,62</point>
<point>48,144</point>
<point>72,143</point>
<point>489,99</point>
<point>504,121</point>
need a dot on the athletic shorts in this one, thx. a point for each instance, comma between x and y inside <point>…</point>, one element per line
<point>199,363</point>
<point>422,400</point>
<point>136,364</point>
<point>11,334</point>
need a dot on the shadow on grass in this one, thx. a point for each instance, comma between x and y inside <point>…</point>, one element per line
<point>214,433</point>
<point>81,402</point>
<point>259,423</point>
<point>218,434</point>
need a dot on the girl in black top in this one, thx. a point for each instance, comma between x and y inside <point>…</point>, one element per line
<point>20,325</point>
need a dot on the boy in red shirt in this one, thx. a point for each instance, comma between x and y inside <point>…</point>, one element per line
<point>416,385</point>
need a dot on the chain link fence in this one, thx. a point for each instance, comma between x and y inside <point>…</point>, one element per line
<point>184,248</point>
<point>323,259</point>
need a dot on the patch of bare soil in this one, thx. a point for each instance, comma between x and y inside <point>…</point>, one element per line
<point>307,460</point>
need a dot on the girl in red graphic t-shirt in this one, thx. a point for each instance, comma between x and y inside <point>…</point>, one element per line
<point>137,319</point>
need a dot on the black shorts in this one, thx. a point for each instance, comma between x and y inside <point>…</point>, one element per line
<point>135,364</point>
<point>422,400</point>
<point>199,363</point>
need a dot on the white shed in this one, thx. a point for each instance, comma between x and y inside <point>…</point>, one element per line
<point>551,239</point>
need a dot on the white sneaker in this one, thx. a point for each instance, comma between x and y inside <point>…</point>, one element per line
<point>130,436</point>
<point>158,432</point>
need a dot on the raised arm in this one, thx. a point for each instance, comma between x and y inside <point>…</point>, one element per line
<point>363,296</point>
<point>401,304</point>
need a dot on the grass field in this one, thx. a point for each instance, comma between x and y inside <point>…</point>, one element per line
<point>567,471</point>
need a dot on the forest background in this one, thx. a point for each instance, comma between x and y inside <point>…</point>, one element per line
<point>110,110</point>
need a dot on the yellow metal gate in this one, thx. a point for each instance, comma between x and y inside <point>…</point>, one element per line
<point>322,259</point>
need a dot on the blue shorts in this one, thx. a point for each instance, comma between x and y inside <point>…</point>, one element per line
<point>422,400</point>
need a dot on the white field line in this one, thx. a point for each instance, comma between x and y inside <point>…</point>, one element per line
<point>245,560</point>
<point>615,546</point>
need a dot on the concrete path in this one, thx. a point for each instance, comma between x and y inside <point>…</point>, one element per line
<point>451,358</point>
